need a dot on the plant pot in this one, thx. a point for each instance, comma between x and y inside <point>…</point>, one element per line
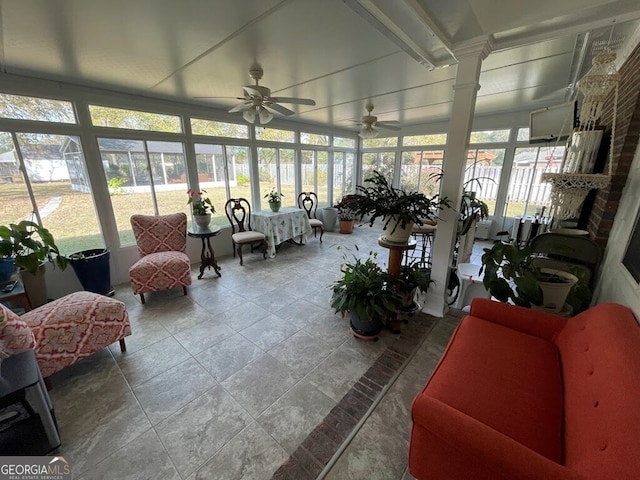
<point>329,218</point>
<point>275,206</point>
<point>394,233</point>
<point>366,327</point>
<point>346,226</point>
<point>92,269</point>
<point>6,269</point>
<point>35,286</point>
<point>202,221</point>
<point>556,290</point>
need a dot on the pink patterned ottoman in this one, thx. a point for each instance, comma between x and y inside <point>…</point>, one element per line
<point>65,330</point>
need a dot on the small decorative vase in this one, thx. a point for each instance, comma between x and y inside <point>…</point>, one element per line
<point>6,269</point>
<point>202,221</point>
<point>275,206</point>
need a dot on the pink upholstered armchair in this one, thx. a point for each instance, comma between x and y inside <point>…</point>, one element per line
<point>66,330</point>
<point>162,241</point>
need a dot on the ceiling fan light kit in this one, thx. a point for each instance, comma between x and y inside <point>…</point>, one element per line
<point>259,104</point>
<point>370,125</point>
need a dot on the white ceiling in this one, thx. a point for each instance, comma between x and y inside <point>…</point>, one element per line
<point>330,50</point>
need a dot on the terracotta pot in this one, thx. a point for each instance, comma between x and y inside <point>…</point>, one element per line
<point>346,226</point>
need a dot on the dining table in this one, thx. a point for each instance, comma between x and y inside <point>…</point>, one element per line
<point>288,224</point>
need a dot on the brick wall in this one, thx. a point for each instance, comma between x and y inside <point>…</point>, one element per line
<point>625,144</point>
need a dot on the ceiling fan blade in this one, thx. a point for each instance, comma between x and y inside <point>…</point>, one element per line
<point>388,126</point>
<point>296,101</point>
<point>241,107</point>
<point>278,108</point>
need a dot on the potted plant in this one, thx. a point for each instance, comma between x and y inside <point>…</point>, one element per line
<point>413,277</point>
<point>30,245</point>
<point>511,274</point>
<point>399,209</point>
<point>275,199</point>
<point>201,208</point>
<point>345,215</point>
<point>364,291</point>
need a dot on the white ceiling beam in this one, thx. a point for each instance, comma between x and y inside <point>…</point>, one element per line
<point>432,24</point>
<point>394,32</point>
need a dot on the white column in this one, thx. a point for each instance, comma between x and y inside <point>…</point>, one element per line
<point>470,57</point>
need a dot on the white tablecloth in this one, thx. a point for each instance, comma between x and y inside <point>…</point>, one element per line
<point>287,224</point>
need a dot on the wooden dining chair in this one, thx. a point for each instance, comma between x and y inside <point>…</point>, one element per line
<point>308,201</point>
<point>238,212</point>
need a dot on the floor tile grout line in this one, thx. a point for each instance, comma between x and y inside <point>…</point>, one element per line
<point>345,444</point>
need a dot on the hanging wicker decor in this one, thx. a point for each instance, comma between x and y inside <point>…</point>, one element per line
<point>570,187</point>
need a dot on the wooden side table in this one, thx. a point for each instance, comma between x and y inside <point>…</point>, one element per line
<point>207,257</point>
<point>18,294</point>
<point>396,251</point>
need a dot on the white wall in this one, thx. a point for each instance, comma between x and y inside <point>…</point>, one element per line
<point>616,283</point>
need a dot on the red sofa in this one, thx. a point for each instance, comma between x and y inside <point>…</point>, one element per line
<point>524,394</point>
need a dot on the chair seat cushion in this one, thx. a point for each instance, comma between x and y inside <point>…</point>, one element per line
<point>488,367</point>
<point>75,326</point>
<point>160,271</point>
<point>247,237</point>
<point>314,222</point>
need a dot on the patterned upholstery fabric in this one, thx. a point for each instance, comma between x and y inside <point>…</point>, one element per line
<point>162,241</point>
<point>15,335</point>
<point>68,329</point>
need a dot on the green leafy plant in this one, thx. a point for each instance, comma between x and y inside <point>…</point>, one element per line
<point>200,205</point>
<point>273,196</point>
<point>510,274</point>
<point>380,199</point>
<point>414,275</point>
<point>29,245</point>
<point>115,185</point>
<point>471,209</point>
<point>365,290</point>
<point>345,214</point>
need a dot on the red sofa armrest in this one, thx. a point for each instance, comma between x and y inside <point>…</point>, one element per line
<point>447,444</point>
<point>526,320</point>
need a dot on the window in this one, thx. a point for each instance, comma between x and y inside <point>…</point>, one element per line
<point>219,129</point>
<point>490,136</point>
<point>526,192</point>
<point>314,174</point>
<point>523,135</point>
<point>384,162</point>
<point>421,171</point>
<point>275,135</point>
<point>220,166</point>
<point>482,175</point>
<point>134,119</point>
<point>61,192</point>
<point>19,107</point>
<point>344,142</point>
<point>418,140</point>
<point>314,139</point>
<point>380,142</point>
<point>277,170</point>
<point>342,175</point>
<point>144,177</point>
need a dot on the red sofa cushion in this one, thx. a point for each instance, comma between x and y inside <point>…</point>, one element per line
<point>600,351</point>
<point>505,379</point>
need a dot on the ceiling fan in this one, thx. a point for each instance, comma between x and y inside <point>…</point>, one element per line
<point>259,104</point>
<point>370,124</point>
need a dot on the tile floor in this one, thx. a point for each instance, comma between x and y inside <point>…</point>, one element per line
<point>233,380</point>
